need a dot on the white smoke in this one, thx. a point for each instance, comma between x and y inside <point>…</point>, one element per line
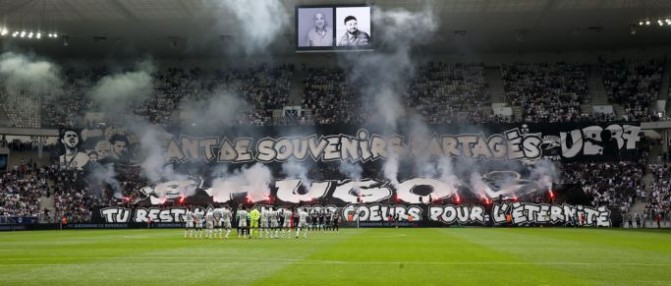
<point>259,22</point>
<point>295,169</point>
<point>544,173</point>
<point>480,188</point>
<point>119,93</point>
<point>105,174</point>
<point>152,141</point>
<point>384,74</point>
<point>219,108</point>
<point>26,73</point>
<point>420,136</point>
<point>252,180</point>
<point>446,173</point>
<point>351,170</point>
<point>28,81</point>
<point>390,169</point>
<point>403,29</point>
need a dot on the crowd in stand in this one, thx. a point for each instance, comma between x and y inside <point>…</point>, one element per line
<point>263,88</point>
<point>659,198</point>
<point>438,92</point>
<point>612,184</point>
<point>70,101</point>
<point>72,197</point>
<point>20,193</point>
<point>546,92</point>
<point>445,93</point>
<point>634,85</point>
<point>330,98</point>
<point>21,189</point>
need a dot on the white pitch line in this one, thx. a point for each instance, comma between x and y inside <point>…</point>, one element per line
<point>151,260</point>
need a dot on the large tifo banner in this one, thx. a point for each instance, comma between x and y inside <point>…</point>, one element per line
<point>508,214</point>
<point>405,167</point>
<point>553,141</point>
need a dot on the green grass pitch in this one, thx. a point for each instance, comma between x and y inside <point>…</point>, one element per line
<point>430,256</point>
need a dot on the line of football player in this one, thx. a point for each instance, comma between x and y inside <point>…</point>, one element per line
<point>268,222</point>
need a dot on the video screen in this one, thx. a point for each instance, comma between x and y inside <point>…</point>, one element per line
<point>334,28</point>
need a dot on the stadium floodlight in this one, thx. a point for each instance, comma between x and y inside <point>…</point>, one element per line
<point>55,35</point>
<point>660,23</point>
<point>668,22</point>
<point>4,32</point>
<point>640,23</point>
<point>647,22</point>
<point>38,36</point>
<point>15,34</point>
<point>30,35</point>
<point>22,34</point>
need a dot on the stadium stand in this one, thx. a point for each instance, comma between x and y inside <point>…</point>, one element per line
<point>612,184</point>
<point>634,84</point>
<point>444,93</point>
<point>659,199</point>
<point>262,87</point>
<point>550,92</point>
<point>20,193</point>
<point>439,93</point>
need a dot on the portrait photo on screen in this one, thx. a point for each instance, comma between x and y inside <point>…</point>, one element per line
<point>353,27</point>
<point>315,27</point>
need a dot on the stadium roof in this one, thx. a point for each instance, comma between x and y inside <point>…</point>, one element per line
<point>200,28</point>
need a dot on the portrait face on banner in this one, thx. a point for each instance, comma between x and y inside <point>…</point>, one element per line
<point>72,157</point>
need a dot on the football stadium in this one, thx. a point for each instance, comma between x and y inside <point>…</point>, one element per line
<point>312,142</point>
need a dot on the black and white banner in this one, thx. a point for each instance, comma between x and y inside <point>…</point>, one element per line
<point>504,214</point>
<point>557,141</point>
<point>554,141</point>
